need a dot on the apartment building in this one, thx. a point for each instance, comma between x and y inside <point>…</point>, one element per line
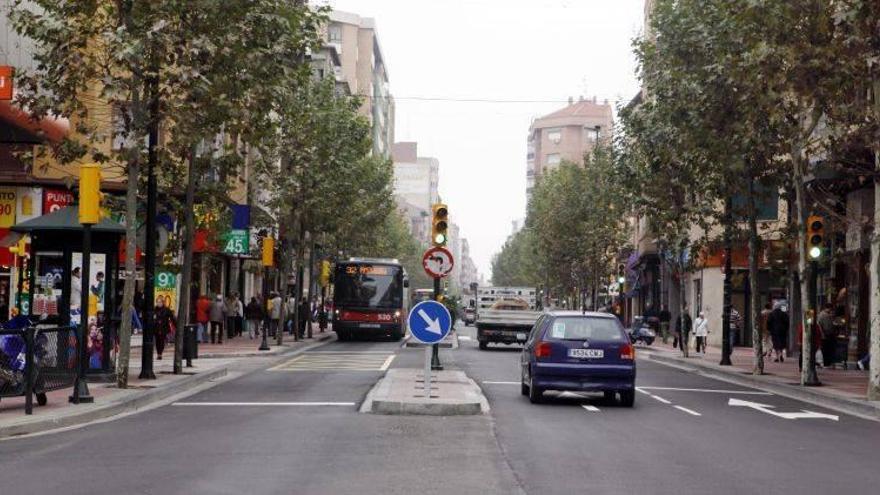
<point>566,135</point>
<point>416,181</point>
<point>363,67</point>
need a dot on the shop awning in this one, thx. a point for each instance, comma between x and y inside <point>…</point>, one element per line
<point>17,127</point>
<point>66,220</point>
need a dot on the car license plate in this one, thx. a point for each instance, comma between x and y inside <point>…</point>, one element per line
<point>521,336</point>
<point>586,353</point>
<point>370,325</point>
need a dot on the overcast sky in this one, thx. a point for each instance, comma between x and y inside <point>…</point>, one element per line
<point>536,50</point>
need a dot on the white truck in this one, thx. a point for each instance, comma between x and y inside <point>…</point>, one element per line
<point>505,315</point>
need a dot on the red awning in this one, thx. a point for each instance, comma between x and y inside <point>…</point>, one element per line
<point>17,127</point>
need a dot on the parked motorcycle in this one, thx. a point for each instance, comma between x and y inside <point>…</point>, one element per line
<point>640,331</point>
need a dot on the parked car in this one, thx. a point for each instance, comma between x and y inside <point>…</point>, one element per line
<point>470,316</point>
<point>583,352</point>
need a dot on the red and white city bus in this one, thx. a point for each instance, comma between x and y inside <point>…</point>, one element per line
<point>370,298</point>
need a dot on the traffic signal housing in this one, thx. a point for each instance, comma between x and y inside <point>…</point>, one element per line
<point>268,251</point>
<point>440,225</point>
<point>815,236</point>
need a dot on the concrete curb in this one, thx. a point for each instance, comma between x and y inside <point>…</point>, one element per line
<point>383,400</point>
<point>130,403</point>
<point>814,395</point>
<point>449,343</point>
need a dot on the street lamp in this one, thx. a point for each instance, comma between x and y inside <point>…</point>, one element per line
<point>89,214</point>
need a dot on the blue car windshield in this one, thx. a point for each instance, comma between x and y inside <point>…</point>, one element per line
<point>585,328</point>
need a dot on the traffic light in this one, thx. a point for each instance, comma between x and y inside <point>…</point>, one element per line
<point>325,273</point>
<point>815,236</point>
<point>268,251</point>
<point>440,225</point>
<point>90,193</point>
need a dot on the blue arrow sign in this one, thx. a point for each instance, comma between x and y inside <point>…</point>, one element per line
<point>429,322</point>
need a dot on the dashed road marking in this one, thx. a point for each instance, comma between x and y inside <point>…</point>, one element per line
<point>704,390</point>
<point>264,404</point>
<point>590,408</point>
<point>689,411</point>
<point>337,361</point>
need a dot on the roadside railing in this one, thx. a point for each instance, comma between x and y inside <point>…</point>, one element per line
<point>36,360</point>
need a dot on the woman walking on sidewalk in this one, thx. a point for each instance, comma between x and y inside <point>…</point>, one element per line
<point>164,326</point>
<point>701,331</point>
<point>254,314</point>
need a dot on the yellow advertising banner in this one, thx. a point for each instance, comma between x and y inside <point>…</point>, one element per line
<point>7,207</point>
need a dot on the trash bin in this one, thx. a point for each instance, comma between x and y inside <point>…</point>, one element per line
<point>190,344</point>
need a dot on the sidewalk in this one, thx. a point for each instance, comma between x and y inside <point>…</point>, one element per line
<point>235,347</point>
<point>841,389</point>
<point>112,401</point>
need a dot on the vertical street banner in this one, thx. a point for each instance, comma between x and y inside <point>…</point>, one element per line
<point>7,207</point>
<point>166,288</point>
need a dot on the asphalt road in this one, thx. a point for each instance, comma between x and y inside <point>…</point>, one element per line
<point>295,429</point>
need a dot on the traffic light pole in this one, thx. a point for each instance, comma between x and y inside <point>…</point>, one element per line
<point>435,349</point>
<point>81,389</point>
<point>812,379</point>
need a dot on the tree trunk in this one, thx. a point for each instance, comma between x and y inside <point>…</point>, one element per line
<point>806,330</point>
<point>726,344</point>
<point>874,372</point>
<point>186,274</point>
<point>754,296</point>
<point>131,197</point>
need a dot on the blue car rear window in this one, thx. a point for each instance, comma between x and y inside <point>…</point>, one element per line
<point>575,328</point>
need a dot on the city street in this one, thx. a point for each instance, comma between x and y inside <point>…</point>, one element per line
<point>295,428</point>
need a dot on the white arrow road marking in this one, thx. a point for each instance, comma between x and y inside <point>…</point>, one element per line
<point>689,411</point>
<point>766,408</point>
<point>433,324</point>
<point>661,399</point>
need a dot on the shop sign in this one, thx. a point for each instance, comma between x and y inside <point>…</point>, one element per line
<point>7,208</point>
<point>5,82</point>
<point>28,203</point>
<point>236,242</point>
<point>55,199</point>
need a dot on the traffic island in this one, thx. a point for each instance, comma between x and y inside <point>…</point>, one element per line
<point>401,392</point>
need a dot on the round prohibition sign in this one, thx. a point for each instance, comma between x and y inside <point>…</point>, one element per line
<point>438,262</point>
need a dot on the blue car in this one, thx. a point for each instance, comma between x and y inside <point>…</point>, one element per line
<point>582,352</point>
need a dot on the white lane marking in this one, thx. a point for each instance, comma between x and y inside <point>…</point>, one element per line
<point>661,399</point>
<point>262,404</point>
<point>464,337</point>
<point>387,363</point>
<point>639,389</point>
<point>689,411</point>
<point>704,390</point>
<point>502,383</point>
<point>766,408</point>
<point>591,408</point>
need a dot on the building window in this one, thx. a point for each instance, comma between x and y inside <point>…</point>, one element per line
<point>592,133</point>
<point>335,33</point>
<point>553,159</point>
<point>554,135</point>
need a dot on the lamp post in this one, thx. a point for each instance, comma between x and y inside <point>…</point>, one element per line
<point>150,248</point>
<point>89,214</point>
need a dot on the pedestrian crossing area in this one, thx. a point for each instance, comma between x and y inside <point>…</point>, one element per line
<point>338,361</point>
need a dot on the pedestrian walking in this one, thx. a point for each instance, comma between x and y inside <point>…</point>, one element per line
<point>254,315</point>
<point>828,334</point>
<point>164,326</point>
<point>305,318</point>
<point>777,326</point>
<point>736,322</point>
<point>218,316</point>
<point>274,313</point>
<point>665,318</point>
<point>322,318</point>
<point>701,331</point>
<point>203,310</point>
<point>234,314</point>
<point>683,327</point>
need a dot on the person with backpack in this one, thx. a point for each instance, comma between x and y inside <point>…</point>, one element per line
<point>254,314</point>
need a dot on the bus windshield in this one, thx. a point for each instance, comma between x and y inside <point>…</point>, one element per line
<point>369,286</point>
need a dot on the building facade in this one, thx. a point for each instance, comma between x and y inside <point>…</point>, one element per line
<point>566,135</point>
<point>416,182</point>
<point>356,40</point>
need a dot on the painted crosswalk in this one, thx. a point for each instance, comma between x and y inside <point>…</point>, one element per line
<point>337,361</point>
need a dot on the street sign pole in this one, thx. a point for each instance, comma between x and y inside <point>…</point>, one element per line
<point>429,322</point>
<point>427,372</point>
<point>435,349</point>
